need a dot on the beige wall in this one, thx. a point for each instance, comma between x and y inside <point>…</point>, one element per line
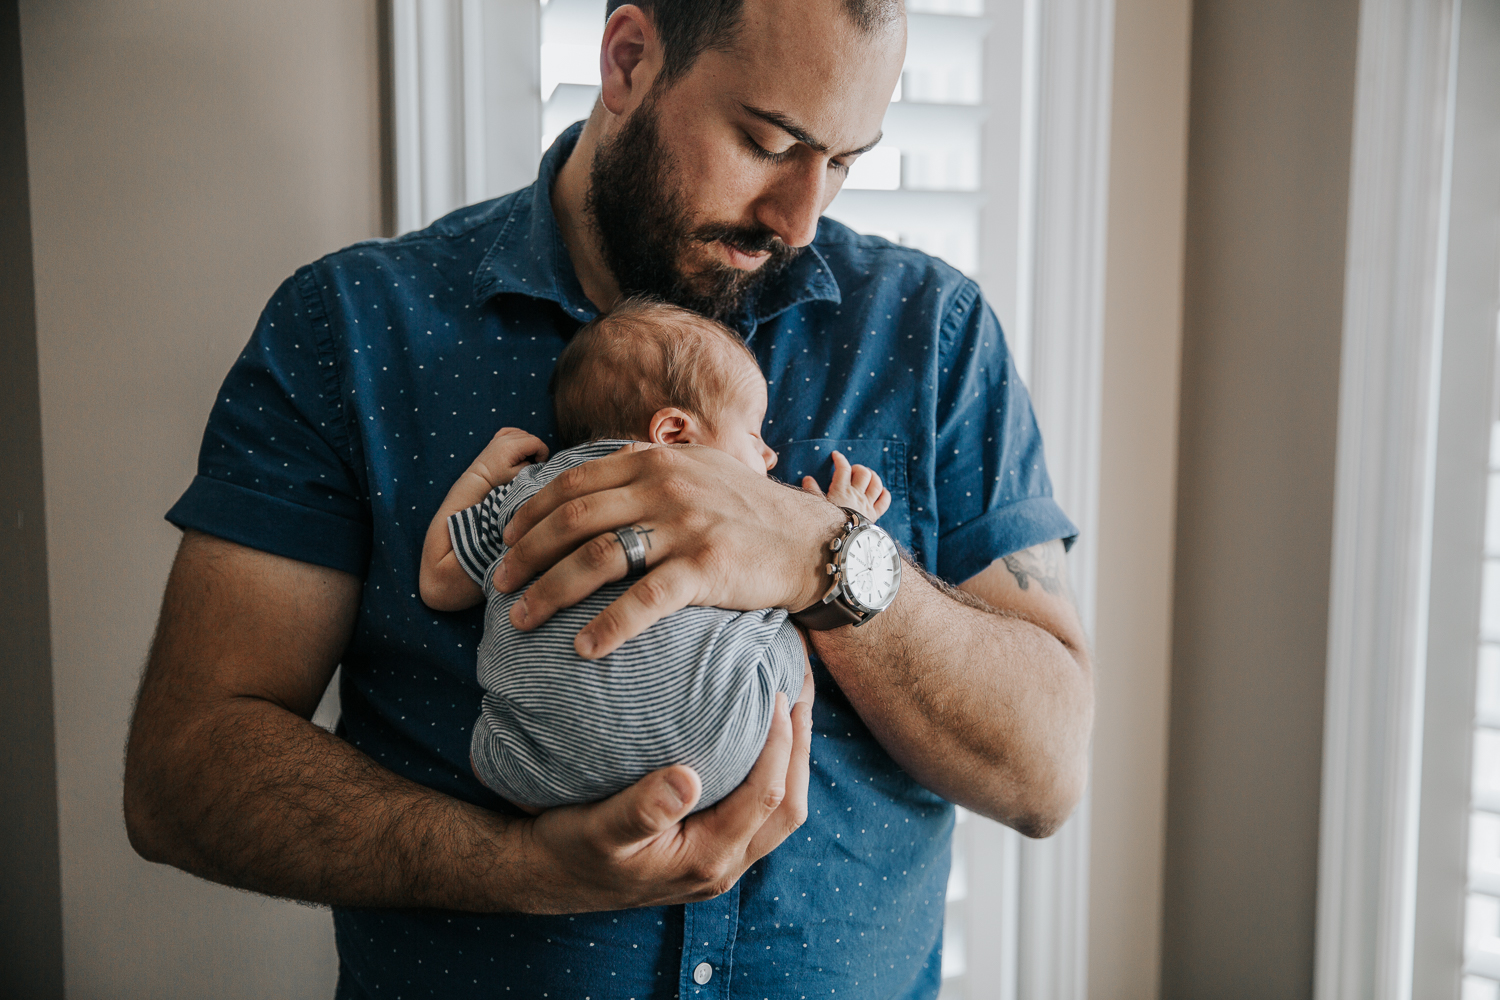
<point>1268,177</point>
<point>1142,346</point>
<point>185,156</point>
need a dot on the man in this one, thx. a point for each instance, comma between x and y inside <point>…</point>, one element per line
<point>723,130</point>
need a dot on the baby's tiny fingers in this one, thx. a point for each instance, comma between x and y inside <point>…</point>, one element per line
<point>874,486</point>
<point>882,502</point>
<point>811,485</point>
<point>859,477</point>
<point>841,470</point>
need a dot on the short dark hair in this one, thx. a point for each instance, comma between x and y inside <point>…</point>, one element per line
<point>688,28</point>
<point>640,357</point>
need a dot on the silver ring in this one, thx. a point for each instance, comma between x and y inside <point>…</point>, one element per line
<point>635,551</point>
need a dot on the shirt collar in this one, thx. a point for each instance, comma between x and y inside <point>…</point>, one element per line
<point>530,258</point>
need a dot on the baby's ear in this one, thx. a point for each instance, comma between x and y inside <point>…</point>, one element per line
<point>669,425</point>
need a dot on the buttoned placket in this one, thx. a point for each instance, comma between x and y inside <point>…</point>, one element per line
<point>708,933</point>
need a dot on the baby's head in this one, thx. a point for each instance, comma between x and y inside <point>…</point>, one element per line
<point>648,371</point>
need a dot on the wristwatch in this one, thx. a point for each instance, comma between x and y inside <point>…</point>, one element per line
<point>866,568</point>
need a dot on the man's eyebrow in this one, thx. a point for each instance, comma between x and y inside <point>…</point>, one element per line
<point>801,134</point>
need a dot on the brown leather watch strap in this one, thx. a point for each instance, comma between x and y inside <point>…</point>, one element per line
<point>826,614</point>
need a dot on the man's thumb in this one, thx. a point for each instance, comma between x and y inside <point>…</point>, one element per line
<point>651,805</point>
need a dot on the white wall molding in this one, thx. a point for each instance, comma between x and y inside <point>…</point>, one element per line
<point>1070,55</point>
<point>461,134</point>
<point>1392,345</point>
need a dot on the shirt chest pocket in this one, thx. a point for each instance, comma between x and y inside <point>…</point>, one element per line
<point>813,457</point>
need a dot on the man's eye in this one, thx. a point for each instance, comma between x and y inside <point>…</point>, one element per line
<point>762,153</point>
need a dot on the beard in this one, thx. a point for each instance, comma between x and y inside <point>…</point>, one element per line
<point>646,234</point>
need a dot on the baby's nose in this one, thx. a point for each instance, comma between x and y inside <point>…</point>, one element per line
<point>770,457</point>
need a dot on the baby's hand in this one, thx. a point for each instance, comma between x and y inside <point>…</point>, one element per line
<point>508,452</point>
<point>857,487</point>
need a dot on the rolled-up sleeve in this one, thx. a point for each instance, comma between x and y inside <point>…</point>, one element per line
<point>994,494</point>
<point>275,470</point>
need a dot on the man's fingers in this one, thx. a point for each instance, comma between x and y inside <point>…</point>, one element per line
<point>608,473</point>
<point>737,817</point>
<point>792,812</point>
<point>649,807</point>
<point>596,562</point>
<point>570,525</point>
<point>666,589</point>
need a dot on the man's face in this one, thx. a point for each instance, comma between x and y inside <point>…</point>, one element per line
<point>712,184</point>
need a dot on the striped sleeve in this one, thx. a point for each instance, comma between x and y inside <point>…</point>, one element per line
<point>475,534</point>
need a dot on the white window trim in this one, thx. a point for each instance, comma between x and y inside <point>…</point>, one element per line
<point>1383,504</point>
<point>1060,316</point>
<point>461,136</point>
<point>439,125</point>
<point>1465,421</point>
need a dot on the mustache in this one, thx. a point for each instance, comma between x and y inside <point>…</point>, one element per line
<point>746,239</point>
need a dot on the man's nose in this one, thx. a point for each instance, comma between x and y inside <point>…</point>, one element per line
<point>792,206</point>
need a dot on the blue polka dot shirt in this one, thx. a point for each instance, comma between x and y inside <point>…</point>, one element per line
<point>374,377</point>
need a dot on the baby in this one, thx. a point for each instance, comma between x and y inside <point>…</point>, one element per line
<point>698,687</point>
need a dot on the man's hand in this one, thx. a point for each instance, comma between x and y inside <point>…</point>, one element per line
<point>718,536</point>
<point>226,778</point>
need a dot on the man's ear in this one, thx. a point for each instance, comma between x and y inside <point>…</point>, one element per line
<point>669,425</point>
<point>629,59</point>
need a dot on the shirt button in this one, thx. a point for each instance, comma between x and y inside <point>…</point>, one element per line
<point>703,973</point>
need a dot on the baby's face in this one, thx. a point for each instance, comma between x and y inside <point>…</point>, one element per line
<point>738,426</point>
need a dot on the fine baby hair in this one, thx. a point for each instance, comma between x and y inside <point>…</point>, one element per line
<point>640,357</point>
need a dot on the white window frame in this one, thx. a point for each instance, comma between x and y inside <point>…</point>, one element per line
<point>467,127</point>
<point>461,135</point>
<point>1414,422</point>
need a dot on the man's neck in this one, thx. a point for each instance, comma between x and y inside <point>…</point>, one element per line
<point>569,195</point>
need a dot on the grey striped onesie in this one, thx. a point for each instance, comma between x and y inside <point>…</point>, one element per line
<point>696,688</point>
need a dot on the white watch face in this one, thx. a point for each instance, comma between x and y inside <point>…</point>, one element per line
<point>872,568</point>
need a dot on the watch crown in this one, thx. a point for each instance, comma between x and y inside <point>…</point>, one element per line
<point>837,544</point>
<point>832,569</point>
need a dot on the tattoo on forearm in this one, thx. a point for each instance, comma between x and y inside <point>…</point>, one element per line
<point>1042,563</point>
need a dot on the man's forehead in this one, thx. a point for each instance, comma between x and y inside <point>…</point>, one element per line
<point>815,35</point>
<point>810,61</point>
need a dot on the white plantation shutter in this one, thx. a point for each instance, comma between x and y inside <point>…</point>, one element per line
<point>1482,913</point>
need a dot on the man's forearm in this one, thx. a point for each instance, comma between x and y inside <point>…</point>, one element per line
<point>257,797</point>
<point>225,777</point>
<point>987,708</point>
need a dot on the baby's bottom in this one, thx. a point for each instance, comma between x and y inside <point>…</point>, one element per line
<point>528,810</point>
<point>698,689</point>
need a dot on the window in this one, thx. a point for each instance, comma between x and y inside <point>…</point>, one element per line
<point>1482,912</point>
<point>1411,765</point>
